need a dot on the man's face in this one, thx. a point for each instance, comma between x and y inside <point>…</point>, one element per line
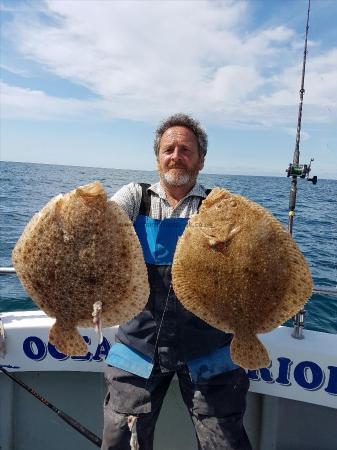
<point>179,161</point>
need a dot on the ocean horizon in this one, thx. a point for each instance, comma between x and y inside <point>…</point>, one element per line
<point>204,171</point>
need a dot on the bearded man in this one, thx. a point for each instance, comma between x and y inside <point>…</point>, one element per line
<point>166,339</point>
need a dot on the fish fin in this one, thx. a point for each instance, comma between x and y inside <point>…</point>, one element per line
<point>67,340</point>
<point>91,193</point>
<point>248,352</point>
<point>220,240</point>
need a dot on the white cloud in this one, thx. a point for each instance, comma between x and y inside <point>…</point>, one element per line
<point>15,70</point>
<point>27,103</point>
<point>146,59</point>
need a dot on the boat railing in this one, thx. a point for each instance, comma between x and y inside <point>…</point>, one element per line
<point>7,270</point>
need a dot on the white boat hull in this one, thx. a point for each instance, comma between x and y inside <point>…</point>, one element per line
<point>291,406</point>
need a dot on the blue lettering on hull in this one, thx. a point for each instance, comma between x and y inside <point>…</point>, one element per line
<point>34,348</point>
<point>37,350</point>
<point>307,374</point>
<point>332,383</point>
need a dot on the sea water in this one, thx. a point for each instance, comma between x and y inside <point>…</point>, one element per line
<point>25,188</point>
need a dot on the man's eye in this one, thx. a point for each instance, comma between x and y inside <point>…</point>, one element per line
<point>186,150</point>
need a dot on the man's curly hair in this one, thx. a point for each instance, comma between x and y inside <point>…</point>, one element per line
<point>182,120</point>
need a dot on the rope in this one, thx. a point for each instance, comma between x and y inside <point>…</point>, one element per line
<point>97,319</point>
<point>132,422</point>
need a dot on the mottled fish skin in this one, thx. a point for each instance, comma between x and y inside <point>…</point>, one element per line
<point>67,339</point>
<point>79,249</point>
<point>248,351</point>
<point>237,268</point>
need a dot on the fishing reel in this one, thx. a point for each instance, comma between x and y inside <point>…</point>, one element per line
<point>302,171</point>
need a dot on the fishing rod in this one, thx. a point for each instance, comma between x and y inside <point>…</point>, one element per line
<point>296,170</point>
<point>69,420</point>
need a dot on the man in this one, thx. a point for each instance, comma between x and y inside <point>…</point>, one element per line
<point>165,338</point>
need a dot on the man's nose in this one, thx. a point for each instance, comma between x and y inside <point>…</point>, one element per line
<point>176,154</point>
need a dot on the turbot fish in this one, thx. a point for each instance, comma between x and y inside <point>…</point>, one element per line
<point>80,261</point>
<point>237,268</point>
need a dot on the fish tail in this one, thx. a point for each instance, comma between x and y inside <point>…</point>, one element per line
<point>248,352</point>
<point>67,340</point>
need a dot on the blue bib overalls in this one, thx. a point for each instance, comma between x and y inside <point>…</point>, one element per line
<point>144,361</point>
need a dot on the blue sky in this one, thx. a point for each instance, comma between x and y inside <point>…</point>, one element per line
<point>85,82</point>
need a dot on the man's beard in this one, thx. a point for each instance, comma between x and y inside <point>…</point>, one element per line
<point>179,177</point>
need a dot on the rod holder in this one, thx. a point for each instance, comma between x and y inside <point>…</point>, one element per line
<point>299,325</point>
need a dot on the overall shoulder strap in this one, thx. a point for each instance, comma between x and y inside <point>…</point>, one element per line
<point>145,204</point>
